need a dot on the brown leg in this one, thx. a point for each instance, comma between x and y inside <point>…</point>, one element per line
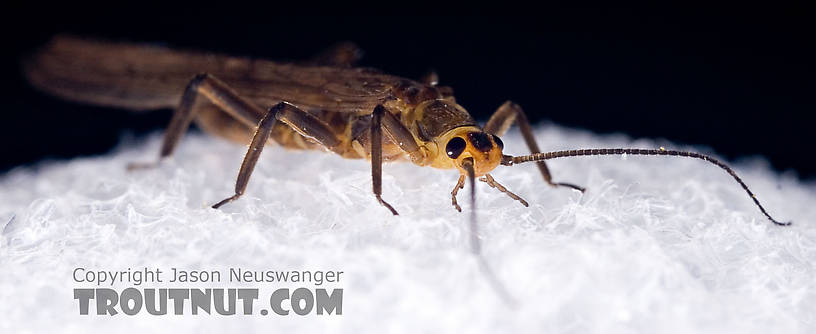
<point>503,118</point>
<point>309,126</point>
<point>217,93</point>
<point>376,156</point>
<point>381,120</point>
<point>459,185</point>
<point>399,134</point>
<point>301,121</point>
<point>495,184</point>
<point>260,138</point>
<point>430,78</point>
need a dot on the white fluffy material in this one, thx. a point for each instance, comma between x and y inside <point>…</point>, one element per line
<point>656,244</point>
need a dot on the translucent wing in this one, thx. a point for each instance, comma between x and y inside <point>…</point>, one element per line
<point>144,77</point>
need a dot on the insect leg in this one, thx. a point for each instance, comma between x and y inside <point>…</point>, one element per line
<point>430,78</point>
<point>503,118</point>
<point>459,185</point>
<point>376,155</point>
<point>299,120</point>
<point>216,92</point>
<point>495,184</point>
<point>382,119</point>
<point>399,134</point>
<point>251,158</point>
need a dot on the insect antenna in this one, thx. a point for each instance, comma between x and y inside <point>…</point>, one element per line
<point>511,160</point>
<point>476,244</point>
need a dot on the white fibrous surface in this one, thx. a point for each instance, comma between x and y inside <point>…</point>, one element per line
<point>656,244</point>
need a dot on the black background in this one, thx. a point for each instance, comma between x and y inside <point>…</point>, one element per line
<point>738,80</point>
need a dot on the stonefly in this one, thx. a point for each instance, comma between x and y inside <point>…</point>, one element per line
<point>324,103</point>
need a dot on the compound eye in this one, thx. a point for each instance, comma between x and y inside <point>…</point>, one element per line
<point>455,147</point>
<point>498,142</point>
<point>480,141</point>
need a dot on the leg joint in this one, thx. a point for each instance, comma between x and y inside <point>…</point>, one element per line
<point>511,104</point>
<point>197,80</point>
<point>275,110</point>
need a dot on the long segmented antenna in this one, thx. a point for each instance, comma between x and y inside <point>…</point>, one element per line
<point>510,160</point>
